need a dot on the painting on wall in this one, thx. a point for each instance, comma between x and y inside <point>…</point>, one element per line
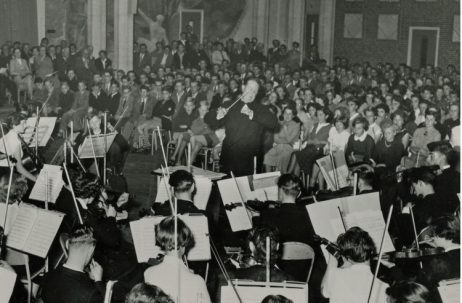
<point>159,20</point>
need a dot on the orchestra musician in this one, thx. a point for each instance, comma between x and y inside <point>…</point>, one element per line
<point>16,124</point>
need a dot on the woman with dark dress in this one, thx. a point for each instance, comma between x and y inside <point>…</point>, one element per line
<point>360,144</point>
<point>388,151</point>
<point>317,139</point>
<point>399,118</point>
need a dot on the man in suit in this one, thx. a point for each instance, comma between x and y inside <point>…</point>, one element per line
<point>196,94</point>
<point>244,124</point>
<point>79,108</point>
<point>289,84</point>
<point>66,100</point>
<point>165,60</point>
<point>238,55</point>
<point>184,41</point>
<point>443,155</point>
<point>114,99</point>
<point>179,96</point>
<point>52,98</point>
<point>234,89</point>
<point>124,111</point>
<point>69,282</point>
<point>98,99</point>
<point>107,82</point>
<point>141,111</point>
<point>157,52</point>
<point>103,62</point>
<point>273,50</point>
<point>141,59</point>
<point>84,67</point>
<point>190,36</point>
<point>63,64</point>
<point>194,56</point>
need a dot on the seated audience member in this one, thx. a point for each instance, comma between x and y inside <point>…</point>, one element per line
<point>182,122</point>
<point>365,178</point>
<point>20,71</point>
<point>454,118</point>
<point>352,282</point>
<point>183,187</point>
<point>317,139</point>
<point>117,152</point>
<point>123,111</point>
<point>422,180</point>
<point>360,145</point>
<point>443,155</point>
<point>370,113</point>
<point>52,98</point>
<point>43,63</point>
<point>161,114</point>
<point>255,269</point>
<point>305,120</point>
<point>399,118</point>
<point>388,151</point>
<point>113,101</point>
<point>141,113</point>
<point>69,282</point>
<point>39,92</point>
<point>172,275</point>
<point>421,138</point>
<point>276,299</point>
<point>78,110</point>
<point>66,100</point>
<point>289,132</point>
<point>98,99</point>
<point>147,293</point>
<point>382,114</point>
<point>408,292</point>
<point>353,105</point>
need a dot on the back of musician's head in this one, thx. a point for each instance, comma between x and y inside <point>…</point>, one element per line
<point>18,188</point>
<point>87,185</point>
<point>445,151</point>
<point>258,236</point>
<point>276,299</point>
<point>290,185</point>
<point>408,292</point>
<point>74,171</point>
<point>365,174</point>
<point>446,226</point>
<point>14,119</point>
<point>81,235</point>
<point>181,181</point>
<point>165,234</point>
<point>424,174</point>
<point>356,245</point>
<point>147,293</point>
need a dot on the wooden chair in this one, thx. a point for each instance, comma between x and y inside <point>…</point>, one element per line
<point>22,87</point>
<point>293,255</point>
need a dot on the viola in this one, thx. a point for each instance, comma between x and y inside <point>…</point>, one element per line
<point>332,248</point>
<point>255,205</point>
<point>241,260</point>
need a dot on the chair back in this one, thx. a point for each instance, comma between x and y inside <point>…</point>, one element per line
<point>297,259</point>
<point>64,241</point>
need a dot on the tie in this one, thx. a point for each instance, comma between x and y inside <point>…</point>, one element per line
<point>125,102</point>
<point>142,107</point>
<point>141,58</point>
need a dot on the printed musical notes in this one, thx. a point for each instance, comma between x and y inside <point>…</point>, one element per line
<point>55,183</point>
<point>86,149</point>
<point>238,217</point>
<point>450,293</point>
<point>144,238</point>
<point>7,281</point>
<point>34,229</point>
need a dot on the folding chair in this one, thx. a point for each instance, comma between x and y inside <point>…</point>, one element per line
<point>293,255</point>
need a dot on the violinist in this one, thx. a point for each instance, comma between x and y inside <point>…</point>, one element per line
<point>366,179</point>
<point>16,124</point>
<point>443,155</point>
<point>183,187</point>
<point>165,275</point>
<point>255,266</point>
<point>352,282</point>
<point>422,180</point>
<point>116,153</point>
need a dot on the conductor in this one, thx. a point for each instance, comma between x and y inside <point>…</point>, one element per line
<point>244,123</point>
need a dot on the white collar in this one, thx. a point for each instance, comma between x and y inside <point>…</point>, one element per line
<point>452,248</point>
<point>83,204</point>
<point>446,167</point>
<point>362,138</point>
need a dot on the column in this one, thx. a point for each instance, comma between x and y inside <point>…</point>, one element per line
<point>97,25</point>
<point>123,33</point>
<point>41,19</point>
<point>326,30</point>
<point>296,24</point>
<point>262,17</point>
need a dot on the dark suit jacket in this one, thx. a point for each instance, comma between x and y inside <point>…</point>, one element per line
<point>113,103</point>
<point>62,66</point>
<point>193,58</point>
<point>200,96</point>
<point>186,44</point>
<point>235,57</point>
<point>84,73</point>
<point>67,285</point>
<point>168,62</point>
<point>66,100</point>
<point>178,61</point>
<point>256,56</point>
<point>136,111</point>
<point>448,182</point>
<point>100,102</point>
<point>441,267</point>
<point>139,65</point>
<point>242,142</point>
<point>99,64</point>
<point>184,207</point>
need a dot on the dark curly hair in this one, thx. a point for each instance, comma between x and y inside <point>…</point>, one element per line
<point>87,185</point>
<point>356,245</point>
<point>446,226</point>
<point>258,237</point>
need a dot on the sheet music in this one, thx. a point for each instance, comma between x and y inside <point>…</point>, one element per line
<point>372,221</point>
<point>86,149</point>
<point>22,227</point>
<point>325,164</point>
<point>144,238</point>
<point>256,294</point>
<point>162,194</point>
<point>196,171</point>
<point>43,233</point>
<point>265,180</point>
<point>55,184</point>
<point>200,229</point>
<point>12,213</point>
<point>45,129</point>
<point>450,293</point>
<point>244,187</point>
<point>203,190</point>
<point>7,281</point>
<point>238,217</point>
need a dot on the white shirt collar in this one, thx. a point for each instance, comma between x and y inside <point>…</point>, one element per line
<point>446,167</point>
<point>82,203</point>
<point>452,248</point>
<point>362,138</point>
<point>321,125</point>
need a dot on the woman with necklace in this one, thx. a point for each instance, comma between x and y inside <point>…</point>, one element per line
<point>388,151</point>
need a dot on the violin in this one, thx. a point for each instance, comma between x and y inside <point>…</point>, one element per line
<point>332,248</point>
<point>241,260</point>
<point>254,205</point>
<point>324,195</point>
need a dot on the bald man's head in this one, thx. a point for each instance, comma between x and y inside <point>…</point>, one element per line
<point>250,91</point>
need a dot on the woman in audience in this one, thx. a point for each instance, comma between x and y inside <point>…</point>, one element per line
<point>382,114</point>
<point>360,145</point>
<point>388,152</point>
<point>273,100</point>
<point>305,119</point>
<point>374,129</point>
<point>317,139</point>
<point>283,94</point>
<point>147,293</point>
<point>172,275</point>
<point>399,118</point>
<point>342,111</point>
<point>16,124</point>
<point>408,292</point>
<point>279,156</point>
<point>308,96</point>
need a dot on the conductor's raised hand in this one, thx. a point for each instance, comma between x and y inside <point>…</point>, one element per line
<point>221,112</point>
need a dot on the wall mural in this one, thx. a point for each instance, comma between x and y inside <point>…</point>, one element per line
<point>158,20</point>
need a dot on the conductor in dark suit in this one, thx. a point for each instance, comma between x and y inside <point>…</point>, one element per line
<point>244,124</point>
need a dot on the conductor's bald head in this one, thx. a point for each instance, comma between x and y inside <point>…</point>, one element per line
<point>250,91</point>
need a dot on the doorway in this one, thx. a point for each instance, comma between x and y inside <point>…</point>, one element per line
<point>311,32</point>
<point>423,46</point>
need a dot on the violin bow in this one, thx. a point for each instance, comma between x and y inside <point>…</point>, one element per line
<point>415,233</point>
<point>120,118</point>
<point>168,190</point>
<point>105,147</point>
<point>337,187</point>
<point>77,157</point>
<point>380,252</point>
<point>72,192</point>
<point>10,165</point>
<point>93,149</point>
<point>268,260</point>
